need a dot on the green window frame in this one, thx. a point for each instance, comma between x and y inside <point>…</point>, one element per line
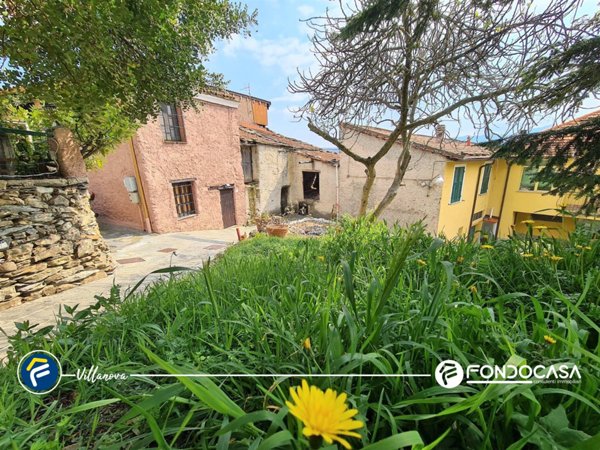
<point>457,184</point>
<point>528,183</point>
<point>485,181</point>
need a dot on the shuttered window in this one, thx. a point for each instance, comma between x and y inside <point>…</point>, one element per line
<point>247,164</point>
<point>184,198</point>
<point>485,181</point>
<point>457,184</point>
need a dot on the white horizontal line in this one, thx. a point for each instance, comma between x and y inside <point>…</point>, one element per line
<point>270,375</point>
<point>278,375</point>
<point>500,382</point>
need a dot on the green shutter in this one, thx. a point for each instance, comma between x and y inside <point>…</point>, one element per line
<point>457,184</point>
<point>485,182</point>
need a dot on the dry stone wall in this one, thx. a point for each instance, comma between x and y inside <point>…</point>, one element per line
<point>49,239</point>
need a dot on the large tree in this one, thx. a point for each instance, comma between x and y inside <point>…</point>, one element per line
<point>410,64</point>
<point>98,62</point>
<point>569,155</point>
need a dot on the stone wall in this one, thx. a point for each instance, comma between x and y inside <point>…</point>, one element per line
<point>49,239</point>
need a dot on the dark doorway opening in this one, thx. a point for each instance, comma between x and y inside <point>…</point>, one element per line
<point>285,198</point>
<point>311,185</point>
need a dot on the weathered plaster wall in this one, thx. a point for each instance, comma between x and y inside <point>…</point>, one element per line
<point>52,238</point>
<point>272,170</point>
<point>210,157</point>
<point>327,180</point>
<point>415,200</point>
<point>112,202</point>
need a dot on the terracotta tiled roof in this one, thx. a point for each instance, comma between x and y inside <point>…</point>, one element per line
<point>450,148</point>
<point>577,120</point>
<point>255,134</point>
<point>554,142</point>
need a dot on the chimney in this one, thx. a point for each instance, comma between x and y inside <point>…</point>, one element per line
<point>468,141</point>
<point>440,131</point>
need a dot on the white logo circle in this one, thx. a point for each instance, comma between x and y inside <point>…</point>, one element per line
<point>449,374</point>
<point>39,372</point>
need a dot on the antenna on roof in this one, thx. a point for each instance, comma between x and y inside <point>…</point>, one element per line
<point>249,110</point>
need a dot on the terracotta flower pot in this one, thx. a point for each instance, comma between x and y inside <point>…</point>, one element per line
<point>277,230</point>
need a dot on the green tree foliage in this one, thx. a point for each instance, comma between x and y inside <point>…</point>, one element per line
<point>105,66</point>
<point>562,81</point>
<point>379,11</point>
<point>569,158</point>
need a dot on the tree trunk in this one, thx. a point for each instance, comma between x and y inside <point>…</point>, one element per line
<point>401,167</point>
<point>366,192</point>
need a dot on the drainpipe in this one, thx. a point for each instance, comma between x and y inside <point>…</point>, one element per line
<point>502,202</point>
<point>337,190</point>
<point>475,199</point>
<point>145,213</point>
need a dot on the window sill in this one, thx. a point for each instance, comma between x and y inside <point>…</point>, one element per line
<point>174,142</point>
<point>456,202</point>
<point>187,217</point>
<point>527,191</point>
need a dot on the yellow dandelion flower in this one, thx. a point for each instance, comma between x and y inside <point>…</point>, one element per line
<point>307,345</point>
<point>587,247</point>
<point>550,340</point>
<point>473,289</point>
<point>324,414</point>
<point>528,222</point>
<point>321,258</point>
<point>460,259</point>
<point>421,262</point>
<point>540,227</point>
<point>555,258</point>
<point>487,246</point>
<point>579,246</point>
<point>527,255</point>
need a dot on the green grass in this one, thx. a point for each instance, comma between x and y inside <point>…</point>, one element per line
<point>371,301</point>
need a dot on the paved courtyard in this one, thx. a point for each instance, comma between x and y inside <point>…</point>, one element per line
<point>137,254</point>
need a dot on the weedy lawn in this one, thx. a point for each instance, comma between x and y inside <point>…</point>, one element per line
<point>363,299</point>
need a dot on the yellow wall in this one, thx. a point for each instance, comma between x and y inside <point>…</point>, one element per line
<point>504,201</point>
<point>520,204</point>
<point>455,218</point>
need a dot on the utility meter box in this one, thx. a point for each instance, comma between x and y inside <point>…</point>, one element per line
<point>130,184</point>
<point>134,197</point>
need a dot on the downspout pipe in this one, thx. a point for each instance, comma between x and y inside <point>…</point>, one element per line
<point>503,199</point>
<point>475,198</point>
<point>337,190</point>
<point>145,212</point>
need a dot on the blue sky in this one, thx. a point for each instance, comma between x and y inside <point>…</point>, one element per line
<point>263,63</point>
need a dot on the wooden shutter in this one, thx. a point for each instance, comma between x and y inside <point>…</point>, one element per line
<point>457,184</point>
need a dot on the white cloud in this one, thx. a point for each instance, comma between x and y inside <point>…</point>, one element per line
<point>286,54</point>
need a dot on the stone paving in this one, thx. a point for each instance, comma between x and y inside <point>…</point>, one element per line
<point>137,254</point>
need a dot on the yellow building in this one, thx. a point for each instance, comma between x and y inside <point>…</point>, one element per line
<point>496,198</point>
<point>456,188</point>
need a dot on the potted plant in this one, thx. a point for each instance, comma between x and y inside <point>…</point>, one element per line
<point>277,227</point>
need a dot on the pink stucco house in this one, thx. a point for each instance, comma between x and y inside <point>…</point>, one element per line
<point>181,172</point>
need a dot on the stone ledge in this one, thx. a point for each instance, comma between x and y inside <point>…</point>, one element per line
<point>44,182</point>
